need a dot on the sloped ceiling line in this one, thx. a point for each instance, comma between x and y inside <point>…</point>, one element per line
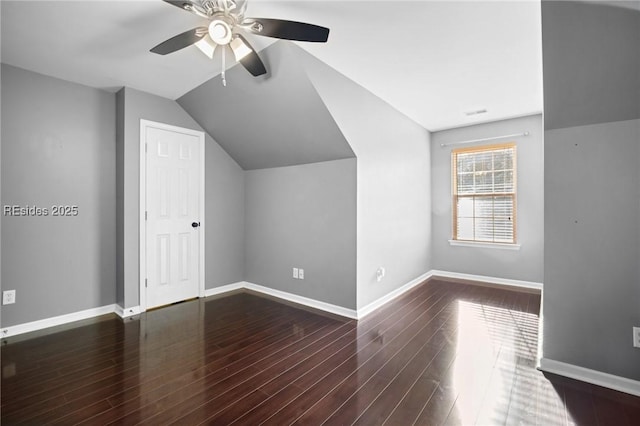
<point>432,60</point>
<point>273,121</point>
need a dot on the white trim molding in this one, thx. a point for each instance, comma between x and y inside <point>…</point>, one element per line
<point>224,289</point>
<point>366,310</point>
<point>362,312</point>
<point>142,224</point>
<point>128,312</point>
<point>594,377</point>
<point>480,244</point>
<point>490,280</point>
<point>59,320</point>
<point>301,300</point>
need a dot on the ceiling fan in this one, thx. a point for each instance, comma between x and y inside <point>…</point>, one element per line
<point>227,21</point>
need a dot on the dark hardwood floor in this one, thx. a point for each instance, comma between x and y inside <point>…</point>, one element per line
<point>444,353</point>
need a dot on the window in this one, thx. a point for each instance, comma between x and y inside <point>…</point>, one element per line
<point>484,193</point>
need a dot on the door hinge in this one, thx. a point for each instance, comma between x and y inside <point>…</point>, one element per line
<point>146,282</point>
<point>146,215</point>
<point>146,147</point>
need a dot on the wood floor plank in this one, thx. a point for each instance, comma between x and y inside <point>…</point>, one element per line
<point>608,412</point>
<point>125,381</point>
<point>139,380</point>
<point>369,361</point>
<point>438,407</point>
<point>443,353</point>
<point>226,407</point>
<point>423,388</point>
<point>427,339</point>
<point>579,407</point>
<point>549,404</point>
<point>327,394</point>
<point>226,386</point>
<point>62,381</point>
<point>393,389</point>
<point>216,376</point>
<point>370,332</point>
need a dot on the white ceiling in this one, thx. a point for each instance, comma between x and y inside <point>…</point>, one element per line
<point>430,60</point>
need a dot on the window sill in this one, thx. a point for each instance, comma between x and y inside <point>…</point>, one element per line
<point>500,246</point>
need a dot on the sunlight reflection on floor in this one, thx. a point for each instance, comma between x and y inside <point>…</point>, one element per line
<point>494,371</point>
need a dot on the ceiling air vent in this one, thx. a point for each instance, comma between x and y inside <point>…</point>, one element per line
<point>475,112</point>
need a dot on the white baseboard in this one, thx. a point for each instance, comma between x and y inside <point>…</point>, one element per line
<point>312,303</point>
<point>491,280</point>
<point>323,306</point>
<point>128,312</point>
<point>59,320</point>
<point>362,312</point>
<point>224,289</point>
<point>594,377</point>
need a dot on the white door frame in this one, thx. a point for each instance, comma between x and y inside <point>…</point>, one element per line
<point>142,260</point>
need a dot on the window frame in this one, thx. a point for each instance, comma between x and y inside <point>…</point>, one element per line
<point>454,191</point>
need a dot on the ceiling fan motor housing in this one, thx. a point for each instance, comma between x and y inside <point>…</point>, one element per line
<point>227,16</point>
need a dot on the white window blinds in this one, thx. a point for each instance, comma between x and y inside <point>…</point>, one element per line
<point>484,193</point>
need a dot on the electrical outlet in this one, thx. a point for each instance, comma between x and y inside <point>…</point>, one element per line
<point>295,273</point>
<point>8,297</point>
<point>636,337</point>
<point>301,273</point>
<point>9,370</point>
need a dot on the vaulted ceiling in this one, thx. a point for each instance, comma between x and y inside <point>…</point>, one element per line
<point>432,61</point>
<point>272,121</point>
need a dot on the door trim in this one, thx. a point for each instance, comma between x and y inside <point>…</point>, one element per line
<point>142,242</point>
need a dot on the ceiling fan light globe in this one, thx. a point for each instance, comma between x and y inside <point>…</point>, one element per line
<point>220,32</point>
<point>240,50</point>
<point>206,46</point>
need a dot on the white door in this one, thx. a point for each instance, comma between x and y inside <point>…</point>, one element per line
<point>173,208</point>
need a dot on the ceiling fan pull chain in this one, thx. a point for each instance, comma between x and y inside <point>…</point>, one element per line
<point>224,79</point>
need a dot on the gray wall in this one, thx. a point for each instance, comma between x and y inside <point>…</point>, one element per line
<point>394,199</point>
<point>525,264</point>
<point>303,216</point>
<point>272,121</point>
<point>0,175</point>
<point>224,196</point>
<point>120,197</point>
<point>591,297</point>
<point>591,63</point>
<point>592,246</point>
<point>58,145</point>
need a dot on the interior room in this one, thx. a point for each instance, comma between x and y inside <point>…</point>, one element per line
<point>336,212</point>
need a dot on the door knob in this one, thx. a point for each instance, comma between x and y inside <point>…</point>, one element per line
<point>195,224</point>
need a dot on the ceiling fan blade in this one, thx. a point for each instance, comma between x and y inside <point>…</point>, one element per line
<point>288,30</point>
<point>187,5</point>
<point>247,56</point>
<point>180,41</point>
